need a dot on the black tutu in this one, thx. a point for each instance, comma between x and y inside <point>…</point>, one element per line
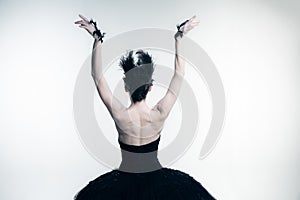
<point>141,177</point>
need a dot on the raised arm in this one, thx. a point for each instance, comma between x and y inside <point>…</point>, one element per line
<point>165,105</point>
<point>113,105</point>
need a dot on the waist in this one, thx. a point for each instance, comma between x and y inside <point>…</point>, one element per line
<point>139,162</point>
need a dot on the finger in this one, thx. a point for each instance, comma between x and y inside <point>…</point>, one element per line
<point>192,18</point>
<point>82,26</point>
<point>79,22</point>
<point>195,23</point>
<point>193,26</point>
<point>84,18</point>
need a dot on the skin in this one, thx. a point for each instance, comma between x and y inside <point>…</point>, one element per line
<point>138,124</point>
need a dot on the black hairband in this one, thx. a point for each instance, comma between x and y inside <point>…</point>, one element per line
<point>97,31</point>
<point>182,24</point>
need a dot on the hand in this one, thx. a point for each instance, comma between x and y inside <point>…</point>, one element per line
<point>188,26</point>
<point>85,23</point>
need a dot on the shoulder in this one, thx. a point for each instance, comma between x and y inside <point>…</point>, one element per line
<point>159,113</point>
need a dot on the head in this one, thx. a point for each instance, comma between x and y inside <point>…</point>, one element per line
<point>138,69</point>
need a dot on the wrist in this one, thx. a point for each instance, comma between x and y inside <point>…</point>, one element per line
<point>97,41</point>
<point>97,35</point>
<point>180,30</point>
<point>178,35</point>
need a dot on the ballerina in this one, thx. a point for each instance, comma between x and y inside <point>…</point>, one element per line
<point>140,174</point>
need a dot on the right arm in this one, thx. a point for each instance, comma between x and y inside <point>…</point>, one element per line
<point>165,105</point>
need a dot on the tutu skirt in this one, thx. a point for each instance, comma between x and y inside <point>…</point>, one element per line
<point>164,183</point>
<point>141,177</point>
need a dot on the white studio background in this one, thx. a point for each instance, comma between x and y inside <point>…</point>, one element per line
<point>254,45</point>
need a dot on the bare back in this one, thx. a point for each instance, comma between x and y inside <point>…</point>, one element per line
<point>139,124</point>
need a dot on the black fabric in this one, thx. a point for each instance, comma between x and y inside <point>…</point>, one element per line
<point>156,184</point>
<point>150,147</point>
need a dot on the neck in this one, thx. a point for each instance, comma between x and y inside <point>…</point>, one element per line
<point>138,104</point>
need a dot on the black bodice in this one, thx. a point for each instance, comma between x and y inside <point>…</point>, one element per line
<point>150,147</point>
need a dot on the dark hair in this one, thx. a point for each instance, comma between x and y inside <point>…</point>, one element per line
<point>138,69</point>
